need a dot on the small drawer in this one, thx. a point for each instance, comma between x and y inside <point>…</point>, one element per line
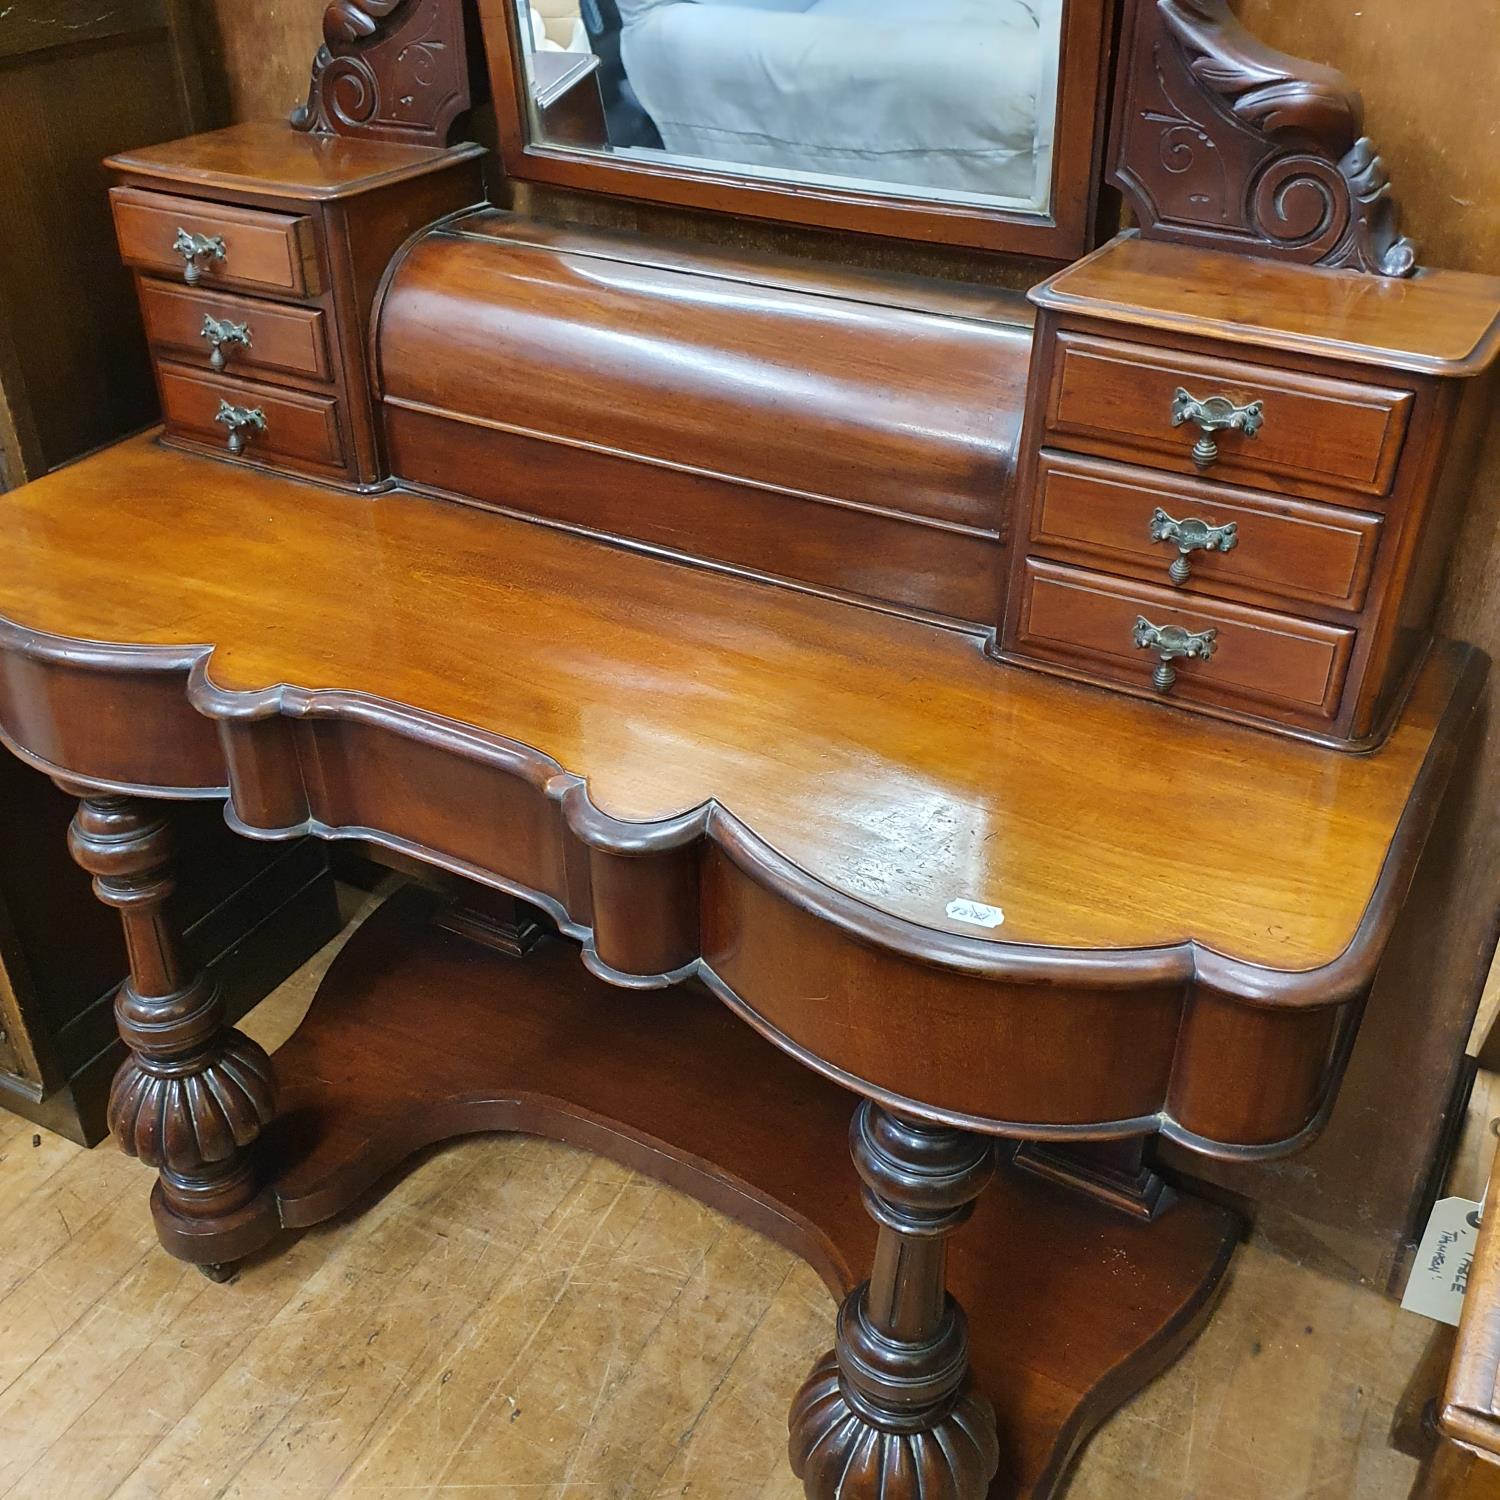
<point>243,247</point>
<point>298,426</point>
<point>1261,661</point>
<point>1095,512</point>
<point>256,337</point>
<point>1116,397</point>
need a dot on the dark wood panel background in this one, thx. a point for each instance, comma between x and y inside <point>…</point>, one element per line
<point>256,56</point>
<point>1431,82</point>
<point>78,79</point>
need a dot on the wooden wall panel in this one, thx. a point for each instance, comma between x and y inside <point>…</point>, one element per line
<point>77,81</point>
<point>1430,75</point>
<point>257,56</point>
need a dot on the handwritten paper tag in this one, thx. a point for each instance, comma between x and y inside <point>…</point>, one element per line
<point>976,912</point>
<point>1440,1272</point>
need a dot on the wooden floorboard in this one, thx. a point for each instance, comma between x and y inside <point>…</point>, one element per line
<point>516,1320</point>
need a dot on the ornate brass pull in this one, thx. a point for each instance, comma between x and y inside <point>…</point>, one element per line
<point>194,250</point>
<point>1171,642</point>
<point>1191,536</point>
<point>222,336</point>
<point>1216,414</point>
<point>242,421</point>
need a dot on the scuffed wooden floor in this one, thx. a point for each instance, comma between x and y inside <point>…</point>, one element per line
<point>515,1320</point>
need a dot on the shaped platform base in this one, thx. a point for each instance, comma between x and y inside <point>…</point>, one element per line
<point>418,1035</point>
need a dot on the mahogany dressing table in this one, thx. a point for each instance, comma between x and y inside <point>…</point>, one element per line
<point>1014,724</point>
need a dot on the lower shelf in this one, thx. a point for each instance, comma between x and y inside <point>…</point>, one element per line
<point>418,1035</point>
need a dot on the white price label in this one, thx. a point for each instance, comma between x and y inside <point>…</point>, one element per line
<point>976,912</point>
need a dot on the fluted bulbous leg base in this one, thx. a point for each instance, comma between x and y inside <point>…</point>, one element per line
<point>194,1095</point>
<point>845,1446</point>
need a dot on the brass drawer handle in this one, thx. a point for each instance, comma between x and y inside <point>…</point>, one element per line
<point>194,249</point>
<point>223,336</point>
<point>1171,642</point>
<point>242,422</point>
<point>1216,414</point>
<point>1191,536</point>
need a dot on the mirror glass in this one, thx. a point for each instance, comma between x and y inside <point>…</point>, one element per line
<point>942,100</point>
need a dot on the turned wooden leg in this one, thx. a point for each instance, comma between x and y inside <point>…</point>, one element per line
<point>888,1415</point>
<point>194,1094</point>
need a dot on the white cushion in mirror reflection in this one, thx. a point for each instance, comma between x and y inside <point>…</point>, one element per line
<point>946,95</point>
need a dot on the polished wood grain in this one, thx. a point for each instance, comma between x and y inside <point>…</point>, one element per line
<point>281,340</point>
<point>752,667</point>
<point>344,206</point>
<point>799,422</point>
<point>1091,511</point>
<point>1457,1471</point>
<point>302,431</point>
<point>1259,657</point>
<point>890,1411</point>
<point>1397,443</point>
<point>78,82</point>
<point>843,550</point>
<point>787,387</point>
<point>1361,1186</point>
<point>261,157</point>
<point>609,712</point>
<point>989,298</point>
<point>416,1035</point>
<point>263,252</point>
<point>1107,395</point>
<point>1438,323</point>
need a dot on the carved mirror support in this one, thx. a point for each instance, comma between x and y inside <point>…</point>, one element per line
<point>1217,139</point>
<point>394,69</point>
<point>1221,141</point>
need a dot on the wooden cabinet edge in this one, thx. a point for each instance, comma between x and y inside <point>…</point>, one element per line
<point>240,744</point>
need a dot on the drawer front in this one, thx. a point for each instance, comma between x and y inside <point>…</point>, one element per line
<point>298,426</point>
<point>1261,661</point>
<point>261,251</point>
<point>1111,395</point>
<point>256,337</point>
<point>1094,512</point>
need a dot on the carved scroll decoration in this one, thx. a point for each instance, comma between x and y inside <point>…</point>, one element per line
<point>1221,141</point>
<point>393,69</point>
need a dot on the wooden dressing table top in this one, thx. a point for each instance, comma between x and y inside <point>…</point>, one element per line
<point>261,157</point>
<point>889,760</point>
<point>1436,322</point>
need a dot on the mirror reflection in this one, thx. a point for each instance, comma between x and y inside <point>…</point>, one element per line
<point>939,99</point>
